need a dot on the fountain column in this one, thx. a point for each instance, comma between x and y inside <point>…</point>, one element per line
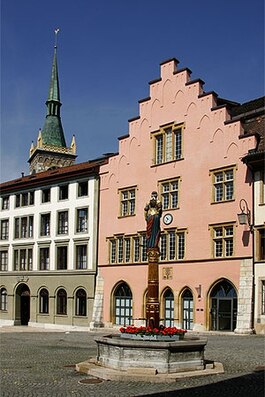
<point>152,304</point>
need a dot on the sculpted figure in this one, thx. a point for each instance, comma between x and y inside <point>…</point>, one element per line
<point>152,212</point>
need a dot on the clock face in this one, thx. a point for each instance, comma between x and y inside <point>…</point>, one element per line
<point>167,219</point>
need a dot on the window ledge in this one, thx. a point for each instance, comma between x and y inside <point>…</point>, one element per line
<point>126,216</point>
<point>222,202</point>
<point>167,162</point>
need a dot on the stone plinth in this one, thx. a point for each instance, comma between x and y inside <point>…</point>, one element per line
<point>161,357</point>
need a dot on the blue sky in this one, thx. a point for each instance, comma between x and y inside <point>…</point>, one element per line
<point>108,51</point>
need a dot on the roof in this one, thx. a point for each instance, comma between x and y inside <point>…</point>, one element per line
<point>50,177</point>
<point>52,132</point>
<point>252,115</point>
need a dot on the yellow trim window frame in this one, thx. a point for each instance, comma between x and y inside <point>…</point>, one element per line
<point>223,182</point>
<point>127,249</point>
<point>173,245</point>
<point>127,201</point>
<point>169,192</point>
<point>168,144</point>
<point>223,240</point>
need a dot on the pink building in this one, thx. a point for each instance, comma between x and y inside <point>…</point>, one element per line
<point>187,145</point>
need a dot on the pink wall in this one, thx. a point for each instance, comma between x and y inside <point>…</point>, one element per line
<point>209,142</point>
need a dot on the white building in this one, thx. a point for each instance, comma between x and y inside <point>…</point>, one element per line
<point>48,249</point>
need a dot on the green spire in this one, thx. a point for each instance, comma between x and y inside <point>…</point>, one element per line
<point>52,133</point>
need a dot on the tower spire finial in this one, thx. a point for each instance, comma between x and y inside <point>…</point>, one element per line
<point>56,31</point>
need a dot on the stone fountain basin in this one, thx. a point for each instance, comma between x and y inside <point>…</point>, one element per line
<point>164,357</point>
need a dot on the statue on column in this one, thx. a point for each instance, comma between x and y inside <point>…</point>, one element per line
<point>153,212</point>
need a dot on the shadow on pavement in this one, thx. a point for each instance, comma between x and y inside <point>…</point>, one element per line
<point>251,385</point>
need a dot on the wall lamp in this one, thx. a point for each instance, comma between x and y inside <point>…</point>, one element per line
<point>244,218</point>
<point>199,290</point>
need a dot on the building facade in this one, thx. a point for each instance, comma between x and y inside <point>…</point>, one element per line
<point>255,161</point>
<point>48,247</point>
<point>187,145</point>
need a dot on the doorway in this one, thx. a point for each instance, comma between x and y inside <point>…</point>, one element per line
<point>223,307</point>
<point>22,305</point>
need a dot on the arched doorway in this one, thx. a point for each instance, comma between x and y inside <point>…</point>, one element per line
<point>223,307</point>
<point>187,309</point>
<point>22,305</point>
<point>168,304</point>
<point>122,305</point>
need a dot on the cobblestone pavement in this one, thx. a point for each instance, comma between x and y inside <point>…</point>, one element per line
<point>40,364</point>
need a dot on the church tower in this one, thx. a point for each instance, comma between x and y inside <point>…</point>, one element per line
<point>50,150</point>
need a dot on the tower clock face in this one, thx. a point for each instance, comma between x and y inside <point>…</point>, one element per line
<point>167,219</point>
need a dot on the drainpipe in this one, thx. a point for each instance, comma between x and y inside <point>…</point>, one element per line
<point>253,252</point>
<point>252,229</point>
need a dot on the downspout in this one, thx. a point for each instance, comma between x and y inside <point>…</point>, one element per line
<point>252,231</point>
<point>253,254</point>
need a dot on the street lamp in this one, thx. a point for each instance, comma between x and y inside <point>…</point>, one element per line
<point>244,216</point>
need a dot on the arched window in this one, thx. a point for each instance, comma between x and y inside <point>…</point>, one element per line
<point>61,302</point>
<point>187,309</point>
<point>168,308</point>
<point>81,303</point>
<point>44,301</point>
<point>123,305</point>
<point>3,300</point>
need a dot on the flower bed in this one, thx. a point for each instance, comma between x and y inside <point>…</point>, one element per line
<point>161,333</point>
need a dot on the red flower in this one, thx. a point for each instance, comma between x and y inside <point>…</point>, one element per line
<point>170,331</point>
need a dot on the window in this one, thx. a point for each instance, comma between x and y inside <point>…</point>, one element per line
<point>127,202</point>
<point>63,192</point>
<point>128,249</point>
<point>143,248</point>
<point>263,297</point>
<point>3,300</point>
<point>120,249</point>
<point>44,301</point>
<point>123,305</point>
<point>81,256</point>
<point>262,187</point>
<point>63,222</point>
<point>62,302</point>
<point>3,260</point>
<point>261,244</point>
<point>172,245</point>
<point>80,303</point>
<point>62,258</point>
<point>169,308</point>
<point>136,249</point>
<point>24,227</point>
<point>168,144</point>
<point>4,229</point>
<point>45,224</point>
<point>23,259</point>
<point>112,251</point>
<point>82,217</point>
<point>223,241</point>
<point>223,185</point>
<point>5,203</point>
<point>83,189</point>
<point>44,258</point>
<point>46,195</point>
<point>170,194</point>
<point>24,199</point>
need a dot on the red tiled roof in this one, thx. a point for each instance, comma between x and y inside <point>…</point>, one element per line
<point>52,176</point>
